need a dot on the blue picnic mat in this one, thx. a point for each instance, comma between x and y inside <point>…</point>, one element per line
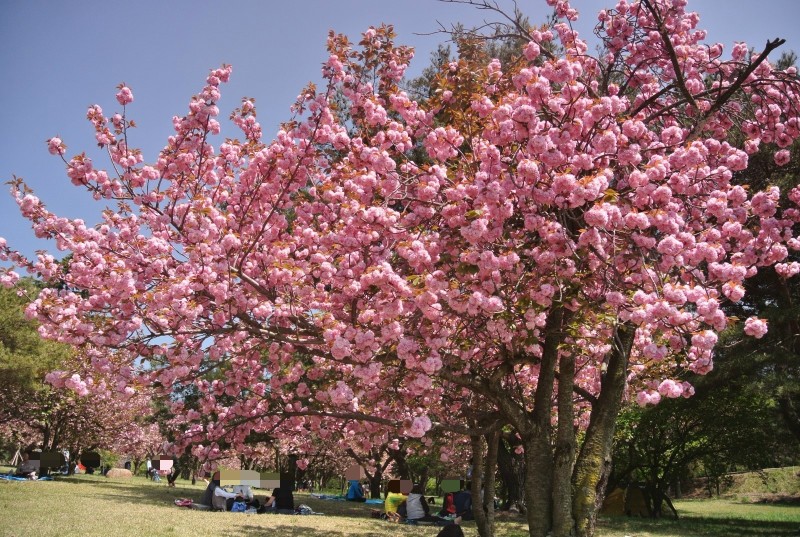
<point>9,477</point>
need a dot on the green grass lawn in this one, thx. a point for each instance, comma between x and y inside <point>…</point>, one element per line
<point>92,505</point>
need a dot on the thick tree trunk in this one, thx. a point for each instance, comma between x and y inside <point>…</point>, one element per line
<point>538,484</point>
<point>657,501</point>
<point>375,484</point>
<point>536,435</point>
<point>564,461</point>
<point>595,453</point>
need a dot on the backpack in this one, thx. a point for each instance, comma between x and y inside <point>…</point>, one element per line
<point>238,507</point>
<point>303,509</point>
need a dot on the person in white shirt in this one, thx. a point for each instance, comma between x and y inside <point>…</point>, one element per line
<point>244,490</point>
<point>223,499</point>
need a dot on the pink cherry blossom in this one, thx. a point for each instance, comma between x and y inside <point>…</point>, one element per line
<point>125,95</point>
<point>782,157</point>
<point>56,146</point>
<point>755,327</point>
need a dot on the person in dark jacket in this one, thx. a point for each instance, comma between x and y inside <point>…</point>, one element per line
<point>208,494</point>
<point>281,501</point>
<point>463,502</point>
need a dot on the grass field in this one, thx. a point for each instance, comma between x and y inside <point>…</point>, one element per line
<point>91,505</point>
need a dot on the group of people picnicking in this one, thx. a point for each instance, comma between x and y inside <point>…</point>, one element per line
<point>409,505</point>
<point>37,464</point>
<point>242,499</point>
<point>400,503</point>
<point>412,505</point>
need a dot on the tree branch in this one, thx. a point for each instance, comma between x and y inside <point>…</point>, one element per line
<point>722,99</point>
<point>673,57</point>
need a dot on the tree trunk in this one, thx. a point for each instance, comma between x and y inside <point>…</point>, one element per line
<point>595,453</point>
<point>489,481</point>
<point>657,499</point>
<point>46,437</point>
<point>375,484</point>
<point>476,484</point>
<point>536,437</point>
<point>482,489</point>
<point>512,472</point>
<point>401,468</point>
<point>789,413</point>
<point>423,479</point>
<point>564,460</point>
<point>291,470</point>
<point>538,484</point>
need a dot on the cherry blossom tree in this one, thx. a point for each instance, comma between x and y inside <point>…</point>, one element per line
<point>542,238</point>
<point>138,441</point>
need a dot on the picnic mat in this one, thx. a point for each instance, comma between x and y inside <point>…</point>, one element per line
<point>335,497</point>
<point>9,477</point>
<point>328,497</point>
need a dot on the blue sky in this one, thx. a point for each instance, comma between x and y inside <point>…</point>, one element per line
<point>60,57</point>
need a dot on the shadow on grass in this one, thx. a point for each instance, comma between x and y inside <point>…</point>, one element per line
<point>133,490</point>
<point>702,526</point>
<point>296,528</point>
<point>289,529</point>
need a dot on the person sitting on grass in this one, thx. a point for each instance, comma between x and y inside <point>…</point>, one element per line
<point>173,474</point>
<point>417,509</point>
<point>215,496</point>
<point>223,500</point>
<point>355,493</point>
<point>281,501</point>
<point>463,502</point>
<point>27,467</point>
<point>448,507</point>
<point>208,494</point>
<point>394,498</point>
<point>247,496</point>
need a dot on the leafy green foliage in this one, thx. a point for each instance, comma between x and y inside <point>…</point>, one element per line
<point>24,356</point>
